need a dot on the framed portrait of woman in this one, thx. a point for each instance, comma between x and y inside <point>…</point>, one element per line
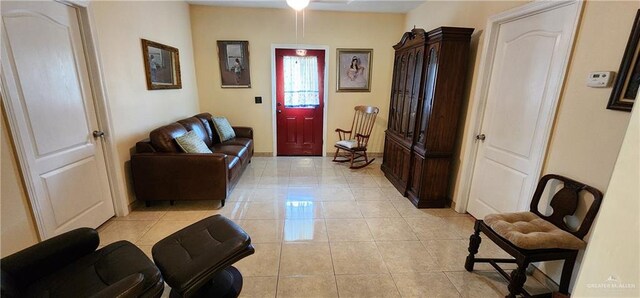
<point>354,70</point>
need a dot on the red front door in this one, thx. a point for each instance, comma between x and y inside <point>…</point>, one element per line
<point>299,101</point>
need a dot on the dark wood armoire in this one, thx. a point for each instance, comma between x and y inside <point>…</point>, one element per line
<point>426,96</point>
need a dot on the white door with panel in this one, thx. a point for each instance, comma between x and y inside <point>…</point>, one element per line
<point>50,107</point>
<point>529,60</point>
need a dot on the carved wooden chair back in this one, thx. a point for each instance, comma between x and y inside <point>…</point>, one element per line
<point>565,203</point>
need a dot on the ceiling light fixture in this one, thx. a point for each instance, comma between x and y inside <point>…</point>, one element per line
<point>298,5</point>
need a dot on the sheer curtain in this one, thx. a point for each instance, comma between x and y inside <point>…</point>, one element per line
<point>300,81</point>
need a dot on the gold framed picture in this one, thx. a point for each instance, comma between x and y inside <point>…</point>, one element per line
<point>161,65</point>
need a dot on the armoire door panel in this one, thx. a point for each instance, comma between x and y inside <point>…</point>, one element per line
<point>416,174</point>
<point>447,101</point>
<point>415,93</point>
<point>396,163</point>
<point>402,74</point>
<point>430,190</point>
<point>408,88</point>
<point>429,92</point>
<point>394,94</point>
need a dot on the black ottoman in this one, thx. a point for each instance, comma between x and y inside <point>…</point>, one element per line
<point>196,261</point>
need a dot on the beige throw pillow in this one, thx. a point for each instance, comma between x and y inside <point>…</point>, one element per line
<point>190,142</point>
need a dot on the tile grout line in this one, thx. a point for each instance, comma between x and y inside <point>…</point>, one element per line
<point>333,267</point>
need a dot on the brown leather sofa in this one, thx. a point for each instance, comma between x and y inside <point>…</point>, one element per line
<point>162,171</point>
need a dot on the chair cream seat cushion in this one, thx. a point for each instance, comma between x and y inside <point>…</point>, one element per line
<point>348,143</point>
<point>528,231</point>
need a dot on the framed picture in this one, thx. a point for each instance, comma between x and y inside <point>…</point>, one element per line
<point>354,70</point>
<point>161,65</point>
<point>234,64</point>
<point>626,86</point>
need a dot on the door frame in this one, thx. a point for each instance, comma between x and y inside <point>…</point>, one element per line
<point>470,144</point>
<point>274,89</point>
<point>102,110</point>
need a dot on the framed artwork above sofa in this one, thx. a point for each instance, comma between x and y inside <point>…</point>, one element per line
<point>161,65</point>
<point>233,57</point>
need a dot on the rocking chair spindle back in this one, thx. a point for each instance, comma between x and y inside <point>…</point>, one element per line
<point>355,140</point>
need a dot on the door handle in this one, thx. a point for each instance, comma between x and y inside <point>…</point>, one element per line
<point>279,111</point>
<point>98,134</point>
<point>481,137</point>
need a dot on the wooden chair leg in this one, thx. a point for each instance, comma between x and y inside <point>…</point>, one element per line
<point>474,244</point>
<point>567,271</point>
<point>517,279</point>
<point>335,156</point>
<point>352,156</point>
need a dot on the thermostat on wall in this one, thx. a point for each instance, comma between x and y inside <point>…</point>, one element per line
<point>600,79</point>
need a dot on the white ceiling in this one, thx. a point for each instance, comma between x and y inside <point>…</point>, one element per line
<point>397,6</point>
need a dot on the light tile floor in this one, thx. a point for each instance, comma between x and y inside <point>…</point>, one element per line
<point>323,230</point>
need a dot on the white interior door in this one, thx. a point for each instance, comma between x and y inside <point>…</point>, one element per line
<point>527,70</point>
<point>51,109</point>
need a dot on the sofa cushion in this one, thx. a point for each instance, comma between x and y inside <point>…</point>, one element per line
<point>235,150</point>
<point>528,231</point>
<point>246,142</point>
<point>223,128</point>
<point>191,142</point>
<point>195,124</point>
<point>163,138</point>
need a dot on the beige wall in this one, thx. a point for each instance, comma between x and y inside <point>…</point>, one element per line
<point>614,244</point>
<point>135,111</point>
<point>264,27</point>
<point>17,225</point>
<point>586,136</point>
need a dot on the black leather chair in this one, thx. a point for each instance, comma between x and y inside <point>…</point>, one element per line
<point>69,265</point>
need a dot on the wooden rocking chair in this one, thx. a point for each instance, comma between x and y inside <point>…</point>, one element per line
<point>354,141</point>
